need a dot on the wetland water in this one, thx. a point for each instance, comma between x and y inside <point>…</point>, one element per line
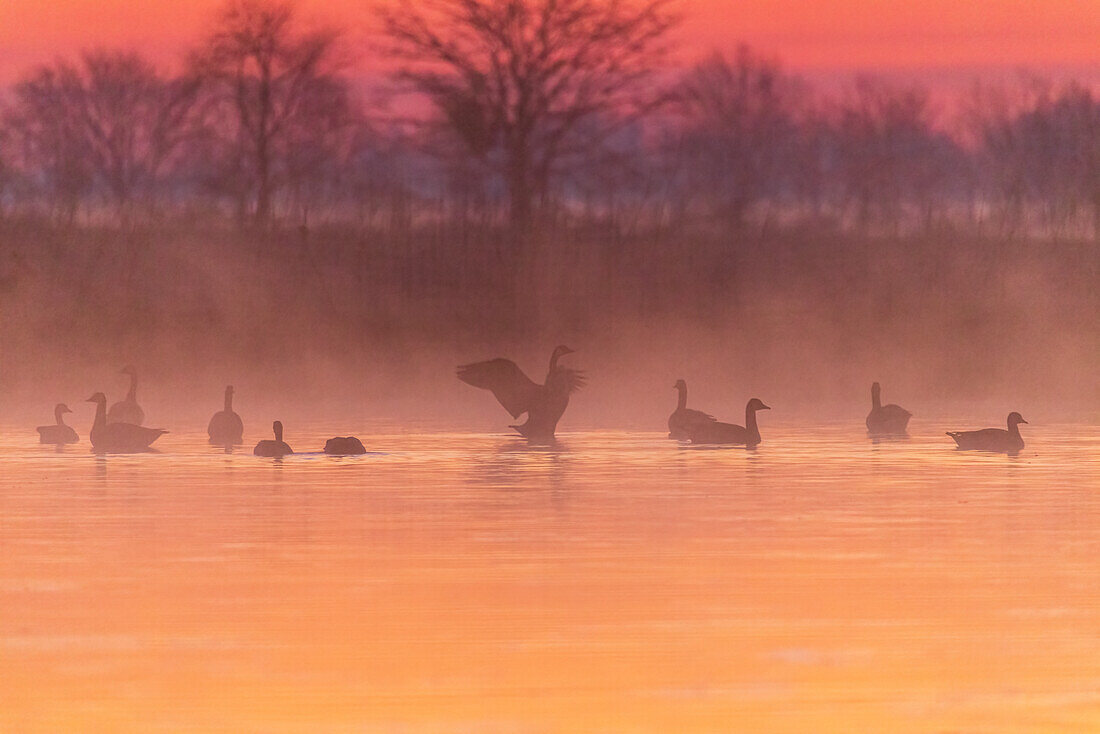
<point>619,582</point>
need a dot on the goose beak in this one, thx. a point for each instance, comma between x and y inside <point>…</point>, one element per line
<point>764,407</point>
<point>90,400</point>
<point>1022,420</point>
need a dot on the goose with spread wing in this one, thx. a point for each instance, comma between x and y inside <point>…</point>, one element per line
<point>729,433</point>
<point>118,437</point>
<point>683,420</point>
<point>993,439</point>
<point>128,410</point>
<point>58,433</point>
<point>544,404</point>
<point>886,420</point>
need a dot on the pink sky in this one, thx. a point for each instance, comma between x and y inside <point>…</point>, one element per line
<point>809,35</point>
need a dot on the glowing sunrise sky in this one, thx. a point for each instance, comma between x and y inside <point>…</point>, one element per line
<point>811,35</point>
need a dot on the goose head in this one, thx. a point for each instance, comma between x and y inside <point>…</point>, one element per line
<point>756,404</point>
<point>680,385</point>
<point>277,427</point>
<point>98,398</point>
<point>1015,419</point>
<point>59,410</point>
<point>562,350</point>
<point>128,370</point>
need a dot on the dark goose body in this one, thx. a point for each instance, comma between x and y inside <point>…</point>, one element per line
<point>684,420</point>
<point>992,439</point>
<point>119,437</point>
<point>58,433</point>
<point>544,404</point>
<point>226,427</point>
<point>885,420</point>
<point>344,446</point>
<point>276,448</point>
<point>714,432</point>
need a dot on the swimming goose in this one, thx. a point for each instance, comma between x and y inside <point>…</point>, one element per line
<point>886,419</point>
<point>58,433</point>
<point>128,410</point>
<point>992,439</point>
<point>715,432</point>
<point>346,446</point>
<point>684,418</point>
<point>226,427</point>
<point>544,404</point>
<point>275,448</point>
<point>118,437</point>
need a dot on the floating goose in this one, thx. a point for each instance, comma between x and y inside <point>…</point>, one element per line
<point>544,404</point>
<point>58,433</point>
<point>128,410</point>
<point>275,448</point>
<point>346,446</point>
<point>684,418</point>
<point>715,432</point>
<point>886,419</point>
<point>118,437</point>
<point>992,439</point>
<point>226,427</point>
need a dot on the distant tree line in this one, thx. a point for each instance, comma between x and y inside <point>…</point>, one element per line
<point>524,115</point>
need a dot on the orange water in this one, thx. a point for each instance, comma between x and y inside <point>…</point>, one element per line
<point>617,583</point>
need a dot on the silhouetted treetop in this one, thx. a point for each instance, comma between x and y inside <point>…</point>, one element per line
<point>516,81</point>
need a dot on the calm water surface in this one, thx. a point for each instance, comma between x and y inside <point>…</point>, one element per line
<point>616,583</point>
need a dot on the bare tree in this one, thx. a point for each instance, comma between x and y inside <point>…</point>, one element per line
<point>890,154</point>
<point>46,122</point>
<point>529,85</point>
<point>109,121</point>
<point>741,132</point>
<point>264,73</point>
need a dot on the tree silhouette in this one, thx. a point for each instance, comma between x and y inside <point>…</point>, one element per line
<point>529,85</point>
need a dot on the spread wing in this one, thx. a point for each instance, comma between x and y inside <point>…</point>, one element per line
<point>506,380</point>
<point>566,380</point>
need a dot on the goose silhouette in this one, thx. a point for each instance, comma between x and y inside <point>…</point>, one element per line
<point>128,410</point>
<point>226,427</point>
<point>118,437</point>
<point>344,446</point>
<point>886,420</point>
<point>544,404</point>
<point>684,419</point>
<point>276,448</point>
<point>58,433</point>
<point>992,439</point>
<point>729,433</point>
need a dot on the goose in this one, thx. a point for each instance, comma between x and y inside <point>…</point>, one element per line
<point>715,432</point>
<point>128,410</point>
<point>58,433</point>
<point>275,448</point>
<point>346,446</point>
<point>684,418</point>
<point>226,427</point>
<point>544,404</point>
<point>886,420</point>
<point>992,439</point>
<point>118,437</point>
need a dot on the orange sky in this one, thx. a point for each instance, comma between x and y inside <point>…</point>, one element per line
<point>815,35</point>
